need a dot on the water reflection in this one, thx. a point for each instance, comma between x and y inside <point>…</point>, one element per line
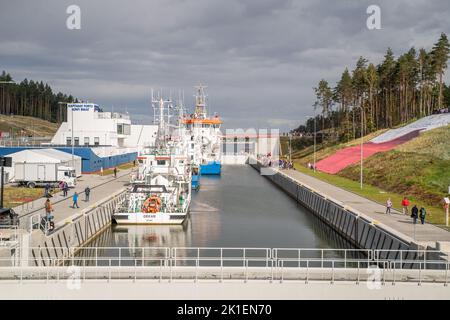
<point>238,209</point>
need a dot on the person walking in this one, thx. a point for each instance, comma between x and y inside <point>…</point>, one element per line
<point>65,189</point>
<point>47,190</point>
<point>75,200</point>
<point>414,213</point>
<point>48,215</point>
<point>87,192</point>
<point>115,172</point>
<point>405,205</point>
<point>422,215</point>
<point>388,206</point>
<point>48,209</point>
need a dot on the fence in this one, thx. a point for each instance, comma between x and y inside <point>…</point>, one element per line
<point>278,264</point>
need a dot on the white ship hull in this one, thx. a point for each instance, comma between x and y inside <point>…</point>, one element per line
<point>149,218</point>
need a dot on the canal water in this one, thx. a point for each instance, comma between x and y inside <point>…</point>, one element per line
<point>240,208</point>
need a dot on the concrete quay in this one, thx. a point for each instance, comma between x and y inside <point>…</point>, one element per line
<point>397,222</point>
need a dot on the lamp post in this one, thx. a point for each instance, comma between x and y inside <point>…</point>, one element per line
<point>290,147</point>
<point>361,148</point>
<point>71,129</point>
<point>310,117</point>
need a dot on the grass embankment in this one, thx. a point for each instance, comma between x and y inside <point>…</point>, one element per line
<point>27,126</point>
<point>15,196</point>
<point>419,169</point>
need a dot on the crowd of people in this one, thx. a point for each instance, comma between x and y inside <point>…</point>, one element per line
<point>284,164</point>
<point>267,161</point>
<point>416,213</point>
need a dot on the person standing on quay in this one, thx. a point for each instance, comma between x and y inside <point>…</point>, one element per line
<point>422,215</point>
<point>75,200</point>
<point>405,205</point>
<point>65,189</point>
<point>388,206</point>
<point>87,192</point>
<point>115,172</point>
<point>414,214</point>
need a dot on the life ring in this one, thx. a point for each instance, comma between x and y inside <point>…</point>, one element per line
<point>151,205</point>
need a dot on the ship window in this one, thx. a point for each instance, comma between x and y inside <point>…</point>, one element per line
<point>96,141</point>
<point>76,141</point>
<point>160,162</point>
<point>86,141</point>
<point>69,141</point>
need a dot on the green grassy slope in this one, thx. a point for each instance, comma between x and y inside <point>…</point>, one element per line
<point>419,169</point>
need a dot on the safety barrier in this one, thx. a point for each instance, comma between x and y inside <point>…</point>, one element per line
<point>272,264</point>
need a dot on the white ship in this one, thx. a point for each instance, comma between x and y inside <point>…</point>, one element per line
<point>204,135</point>
<point>161,192</point>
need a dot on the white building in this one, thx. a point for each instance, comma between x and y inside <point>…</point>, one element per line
<point>90,126</point>
<point>43,156</point>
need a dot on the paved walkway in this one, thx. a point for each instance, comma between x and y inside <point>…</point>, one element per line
<point>101,187</point>
<point>402,224</point>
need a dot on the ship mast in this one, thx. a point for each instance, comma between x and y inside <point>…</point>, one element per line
<point>200,102</point>
<point>159,118</point>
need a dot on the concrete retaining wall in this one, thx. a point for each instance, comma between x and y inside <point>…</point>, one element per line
<point>359,230</point>
<point>72,234</point>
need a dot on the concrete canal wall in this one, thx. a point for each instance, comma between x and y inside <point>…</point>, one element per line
<point>70,234</point>
<point>354,226</point>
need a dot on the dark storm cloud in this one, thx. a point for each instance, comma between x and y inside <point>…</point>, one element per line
<point>259,58</point>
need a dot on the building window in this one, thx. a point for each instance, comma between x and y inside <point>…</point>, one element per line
<point>86,141</point>
<point>96,141</point>
<point>76,141</point>
<point>69,141</point>
<point>123,128</point>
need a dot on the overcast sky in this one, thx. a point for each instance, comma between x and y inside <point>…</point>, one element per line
<point>260,59</point>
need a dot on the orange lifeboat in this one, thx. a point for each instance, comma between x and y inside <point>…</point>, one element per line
<point>151,205</point>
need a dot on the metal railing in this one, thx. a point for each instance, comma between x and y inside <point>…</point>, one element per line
<point>186,263</point>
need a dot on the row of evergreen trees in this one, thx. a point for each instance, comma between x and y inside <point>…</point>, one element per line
<point>384,95</point>
<point>30,98</point>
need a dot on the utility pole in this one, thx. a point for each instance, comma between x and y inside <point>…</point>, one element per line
<point>4,162</point>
